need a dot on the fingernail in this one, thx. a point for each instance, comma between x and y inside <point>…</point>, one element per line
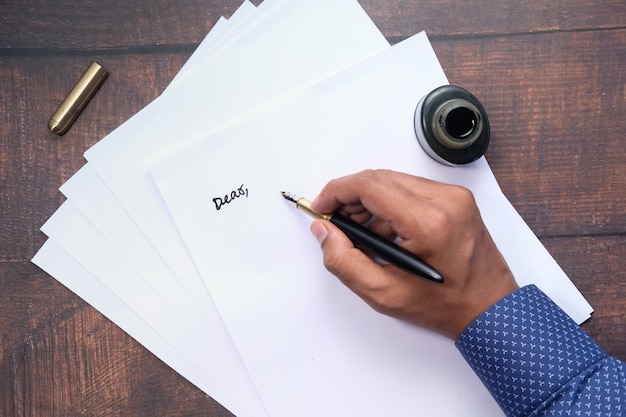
<point>319,231</point>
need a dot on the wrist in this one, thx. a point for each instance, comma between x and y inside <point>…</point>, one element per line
<point>483,300</point>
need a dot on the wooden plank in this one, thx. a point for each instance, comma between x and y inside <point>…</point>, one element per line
<point>107,24</point>
<point>33,161</point>
<point>556,104</point>
<point>61,357</point>
<point>398,19</point>
<point>596,266</point>
<point>111,24</point>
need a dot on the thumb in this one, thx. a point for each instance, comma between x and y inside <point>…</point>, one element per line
<point>319,231</point>
<point>341,258</point>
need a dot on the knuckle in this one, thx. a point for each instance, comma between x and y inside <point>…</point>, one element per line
<point>464,196</point>
<point>375,175</point>
<point>465,209</point>
<point>459,206</point>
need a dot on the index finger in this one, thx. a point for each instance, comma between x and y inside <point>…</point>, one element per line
<point>382,193</point>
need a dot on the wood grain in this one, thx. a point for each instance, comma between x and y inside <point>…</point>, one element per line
<point>33,161</point>
<point>398,19</point>
<point>113,25</point>
<point>117,24</point>
<point>596,266</point>
<point>555,103</point>
<point>61,357</point>
<point>549,73</point>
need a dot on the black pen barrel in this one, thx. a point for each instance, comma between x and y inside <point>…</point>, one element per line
<point>363,238</point>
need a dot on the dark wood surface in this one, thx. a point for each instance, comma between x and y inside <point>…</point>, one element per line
<point>551,75</point>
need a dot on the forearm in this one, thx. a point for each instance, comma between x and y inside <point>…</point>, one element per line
<point>535,360</point>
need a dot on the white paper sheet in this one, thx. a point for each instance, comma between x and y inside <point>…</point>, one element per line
<point>110,227</point>
<point>311,347</point>
<point>183,327</point>
<point>288,50</point>
<point>85,188</point>
<point>53,259</point>
<point>103,209</point>
<point>225,31</point>
<point>90,195</point>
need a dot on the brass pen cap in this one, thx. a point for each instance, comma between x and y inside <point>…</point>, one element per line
<point>77,99</point>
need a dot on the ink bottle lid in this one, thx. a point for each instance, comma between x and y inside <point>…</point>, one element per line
<point>452,126</point>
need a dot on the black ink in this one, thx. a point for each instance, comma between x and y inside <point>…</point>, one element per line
<point>230,197</point>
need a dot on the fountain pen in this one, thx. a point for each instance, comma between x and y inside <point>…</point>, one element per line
<point>363,238</point>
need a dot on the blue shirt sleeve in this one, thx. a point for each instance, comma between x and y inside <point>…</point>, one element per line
<point>536,361</point>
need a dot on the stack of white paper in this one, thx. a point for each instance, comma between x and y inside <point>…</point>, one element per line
<point>284,96</point>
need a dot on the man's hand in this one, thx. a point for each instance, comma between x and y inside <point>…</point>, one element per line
<point>438,222</point>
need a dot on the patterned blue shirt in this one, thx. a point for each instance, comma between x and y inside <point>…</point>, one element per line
<point>536,361</point>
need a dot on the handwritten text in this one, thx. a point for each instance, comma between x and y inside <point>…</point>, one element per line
<point>230,197</point>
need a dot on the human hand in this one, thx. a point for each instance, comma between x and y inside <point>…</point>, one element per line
<point>438,222</point>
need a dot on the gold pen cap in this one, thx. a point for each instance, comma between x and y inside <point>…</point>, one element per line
<point>77,99</point>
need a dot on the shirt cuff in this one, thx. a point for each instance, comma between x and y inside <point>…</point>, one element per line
<point>525,348</point>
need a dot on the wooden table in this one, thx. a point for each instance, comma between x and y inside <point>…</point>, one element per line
<point>550,73</point>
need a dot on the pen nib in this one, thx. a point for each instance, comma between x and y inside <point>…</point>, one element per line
<point>290,196</point>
